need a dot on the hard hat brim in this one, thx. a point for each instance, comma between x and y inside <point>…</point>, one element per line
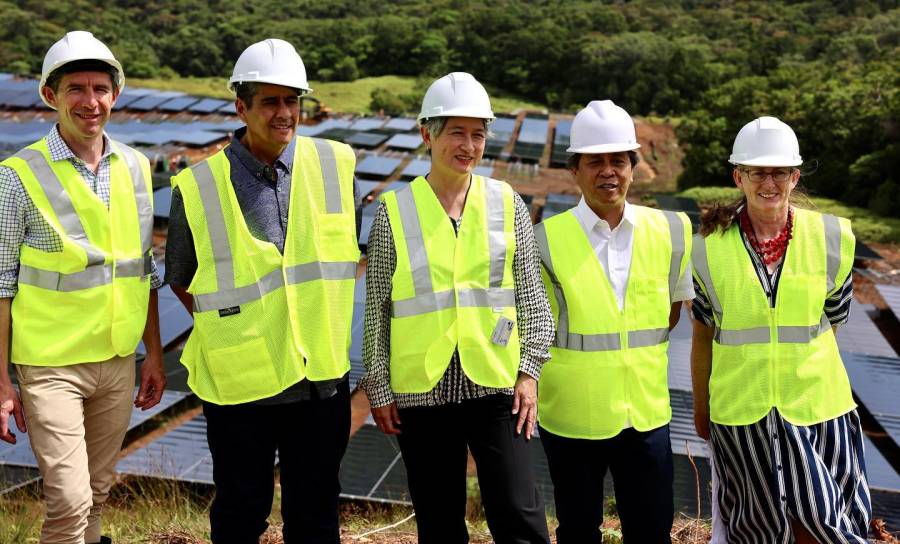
<point>604,148</point>
<point>459,112</point>
<point>302,86</point>
<point>775,161</point>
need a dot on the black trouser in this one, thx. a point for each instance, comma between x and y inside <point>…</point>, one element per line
<point>310,438</point>
<point>641,465</point>
<point>434,444</point>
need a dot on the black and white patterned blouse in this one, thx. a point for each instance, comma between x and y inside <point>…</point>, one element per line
<point>533,315</point>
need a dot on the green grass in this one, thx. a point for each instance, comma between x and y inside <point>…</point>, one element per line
<point>868,226</point>
<point>340,96</point>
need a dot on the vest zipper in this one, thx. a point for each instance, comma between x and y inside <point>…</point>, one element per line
<point>773,364</point>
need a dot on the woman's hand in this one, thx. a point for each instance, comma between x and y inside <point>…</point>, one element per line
<point>525,404</point>
<point>387,418</point>
<point>701,421</point>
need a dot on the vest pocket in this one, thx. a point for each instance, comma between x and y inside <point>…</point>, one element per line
<point>244,372</point>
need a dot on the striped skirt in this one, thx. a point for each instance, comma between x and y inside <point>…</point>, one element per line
<point>772,470</point>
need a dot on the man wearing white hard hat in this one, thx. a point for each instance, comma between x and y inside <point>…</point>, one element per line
<point>457,328</point>
<point>262,248</point>
<point>604,396</point>
<point>771,394</point>
<point>78,283</point>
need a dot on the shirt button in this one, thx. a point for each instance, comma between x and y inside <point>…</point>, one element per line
<point>775,436</point>
<point>783,498</point>
<point>779,467</point>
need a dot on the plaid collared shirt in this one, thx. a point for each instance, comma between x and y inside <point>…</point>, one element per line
<point>22,223</point>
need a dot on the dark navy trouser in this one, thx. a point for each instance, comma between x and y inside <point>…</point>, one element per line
<point>641,466</point>
<point>310,437</point>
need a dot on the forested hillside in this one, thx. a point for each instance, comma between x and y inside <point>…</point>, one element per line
<point>829,69</point>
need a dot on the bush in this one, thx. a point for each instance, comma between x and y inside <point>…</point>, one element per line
<point>393,104</point>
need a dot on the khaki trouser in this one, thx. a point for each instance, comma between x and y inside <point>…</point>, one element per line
<point>77,417</point>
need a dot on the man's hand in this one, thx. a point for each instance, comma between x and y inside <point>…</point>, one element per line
<point>387,418</point>
<point>525,404</point>
<point>153,382</point>
<point>10,405</point>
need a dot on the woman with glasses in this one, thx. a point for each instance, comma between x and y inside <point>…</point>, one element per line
<point>773,281</point>
<point>457,328</point>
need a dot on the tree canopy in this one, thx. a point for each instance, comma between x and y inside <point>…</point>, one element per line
<point>830,69</point>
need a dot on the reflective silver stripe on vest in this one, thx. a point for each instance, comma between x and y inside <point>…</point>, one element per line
<point>328,165</point>
<point>739,337</point>
<point>676,230</point>
<point>216,229</point>
<point>487,298</point>
<point>423,304</point>
<point>229,298</point>
<point>787,334</point>
<point>141,196</point>
<point>321,271</point>
<point>61,203</point>
<point>442,300</point>
<point>562,325</point>
<point>648,337</point>
<point>132,268</point>
<point>493,195</point>
<point>415,242</point>
<point>700,261</point>
<point>832,249</point>
<point>92,276</point>
<point>803,335</point>
<point>589,342</point>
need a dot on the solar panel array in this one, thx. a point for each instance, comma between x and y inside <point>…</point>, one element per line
<point>375,166</point>
<point>401,124</point>
<point>559,155</point>
<point>501,133</point>
<point>366,139</point>
<point>557,203</point>
<point>408,142</point>
<point>532,140</point>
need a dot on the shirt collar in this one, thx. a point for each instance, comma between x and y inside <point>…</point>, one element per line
<point>284,161</point>
<point>590,220</point>
<point>60,150</point>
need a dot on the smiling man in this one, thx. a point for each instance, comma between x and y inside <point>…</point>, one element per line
<point>78,282</point>
<point>603,398</point>
<point>263,250</point>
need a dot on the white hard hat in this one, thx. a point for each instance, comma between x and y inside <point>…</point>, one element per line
<point>270,61</point>
<point>457,94</point>
<point>78,45</point>
<point>766,142</point>
<point>602,127</point>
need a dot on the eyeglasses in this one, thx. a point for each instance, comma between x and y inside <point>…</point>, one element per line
<point>758,176</point>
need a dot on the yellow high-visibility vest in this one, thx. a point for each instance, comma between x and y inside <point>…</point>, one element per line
<point>263,321</point>
<point>784,357</point>
<point>452,291</point>
<point>608,366</point>
<point>88,302</point>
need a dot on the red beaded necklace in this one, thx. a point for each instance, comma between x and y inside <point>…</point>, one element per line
<point>770,251</point>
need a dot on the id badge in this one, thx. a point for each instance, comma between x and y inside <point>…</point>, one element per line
<point>502,331</point>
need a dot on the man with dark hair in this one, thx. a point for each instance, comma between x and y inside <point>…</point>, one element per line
<point>77,289</point>
<point>262,249</point>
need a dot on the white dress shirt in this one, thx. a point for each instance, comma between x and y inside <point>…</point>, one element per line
<point>613,249</point>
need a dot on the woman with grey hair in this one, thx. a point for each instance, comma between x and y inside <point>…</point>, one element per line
<point>457,327</point>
